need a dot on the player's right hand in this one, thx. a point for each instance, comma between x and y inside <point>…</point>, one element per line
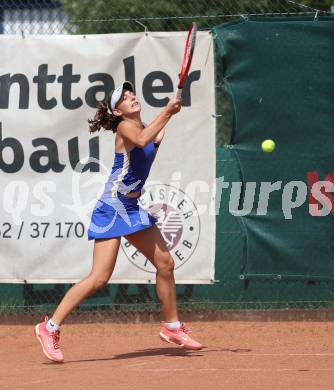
<point>173,106</point>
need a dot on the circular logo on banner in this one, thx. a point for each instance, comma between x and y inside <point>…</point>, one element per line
<point>177,219</point>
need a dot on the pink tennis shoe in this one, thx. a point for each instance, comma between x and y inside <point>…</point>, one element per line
<point>179,337</point>
<point>49,342</point>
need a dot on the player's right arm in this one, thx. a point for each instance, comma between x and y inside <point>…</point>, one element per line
<point>141,137</point>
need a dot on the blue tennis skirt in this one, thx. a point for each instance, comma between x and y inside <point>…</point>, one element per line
<point>118,216</point>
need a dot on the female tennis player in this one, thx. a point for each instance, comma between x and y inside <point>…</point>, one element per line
<point>118,214</point>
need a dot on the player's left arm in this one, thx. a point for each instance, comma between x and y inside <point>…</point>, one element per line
<point>158,139</point>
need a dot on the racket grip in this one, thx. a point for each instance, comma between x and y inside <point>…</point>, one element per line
<point>178,94</point>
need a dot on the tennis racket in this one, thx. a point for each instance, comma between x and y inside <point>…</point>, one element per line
<point>187,58</point>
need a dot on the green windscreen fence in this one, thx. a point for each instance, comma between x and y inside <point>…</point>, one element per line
<point>279,74</point>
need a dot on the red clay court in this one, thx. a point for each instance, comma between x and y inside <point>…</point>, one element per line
<point>239,355</point>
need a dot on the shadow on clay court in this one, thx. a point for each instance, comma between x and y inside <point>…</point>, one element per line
<point>158,352</point>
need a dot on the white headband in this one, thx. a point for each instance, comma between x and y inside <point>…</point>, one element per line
<point>118,92</point>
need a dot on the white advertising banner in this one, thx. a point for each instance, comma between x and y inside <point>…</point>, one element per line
<point>49,87</point>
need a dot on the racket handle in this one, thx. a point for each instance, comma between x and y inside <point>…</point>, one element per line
<point>178,94</point>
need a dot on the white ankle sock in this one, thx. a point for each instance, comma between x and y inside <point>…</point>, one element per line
<point>51,326</point>
<point>173,325</point>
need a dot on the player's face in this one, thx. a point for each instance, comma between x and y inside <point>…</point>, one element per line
<point>129,104</point>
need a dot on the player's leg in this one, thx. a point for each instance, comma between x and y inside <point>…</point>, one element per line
<point>104,259</point>
<point>152,245</point>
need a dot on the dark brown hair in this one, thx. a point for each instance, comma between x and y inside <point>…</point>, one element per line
<point>103,118</point>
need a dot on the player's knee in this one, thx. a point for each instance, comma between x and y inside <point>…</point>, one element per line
<point>99,281</point>
<point>165,265</point>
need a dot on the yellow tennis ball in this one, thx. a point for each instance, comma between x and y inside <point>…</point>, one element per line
<point>268,145</point>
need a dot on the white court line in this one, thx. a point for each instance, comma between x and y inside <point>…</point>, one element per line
<point>278,369</point>
<point>285,354</point>
<point>168,369</point>
<point>25,384</point>
<point>138,364</point>
<point>238,369</point>
<point>39,381</point>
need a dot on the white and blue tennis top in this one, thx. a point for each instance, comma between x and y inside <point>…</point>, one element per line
<point>130,171</point>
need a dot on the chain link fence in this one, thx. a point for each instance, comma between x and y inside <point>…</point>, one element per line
<point>130,302</point>
<point>101,17</point>
<point>81,17</point>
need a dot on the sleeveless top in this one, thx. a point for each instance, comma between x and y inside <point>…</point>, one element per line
<point>130,171</point>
